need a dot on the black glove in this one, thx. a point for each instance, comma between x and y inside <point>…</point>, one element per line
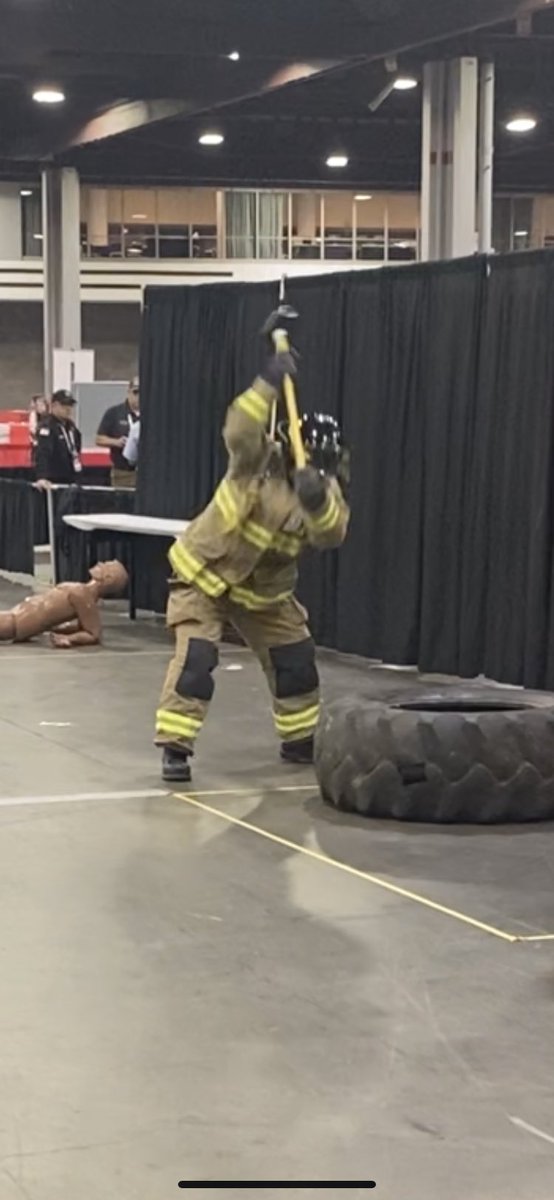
<point>311,488</point>
<point>277,367</point>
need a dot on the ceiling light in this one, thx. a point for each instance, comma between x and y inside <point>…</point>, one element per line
<point>521,124</point>
<point>48,96</point>
<point>211,139</point>
<point>402,245</point>
<point>405,83</point>
<point>38,237</point>
<point>139,217</point>
<point>363,197</point>
<point>234,56</point>
<point>337,160</point>
<point>521,233</point>
<point>25,192</point>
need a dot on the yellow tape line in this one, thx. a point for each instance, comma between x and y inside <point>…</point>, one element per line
<point>190,798</point>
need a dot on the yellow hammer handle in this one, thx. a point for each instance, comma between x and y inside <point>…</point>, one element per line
<point>281,343</point>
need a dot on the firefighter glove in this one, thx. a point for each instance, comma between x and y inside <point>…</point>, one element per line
<point>311,488</point>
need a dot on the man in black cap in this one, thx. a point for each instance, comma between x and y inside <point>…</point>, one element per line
<point>58,453</point>
<point>113,431</point>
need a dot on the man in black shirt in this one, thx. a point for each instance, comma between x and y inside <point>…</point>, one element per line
<point>58,451</point>
<point>113,431</point>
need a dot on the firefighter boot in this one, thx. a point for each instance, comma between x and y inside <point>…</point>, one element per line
<point>300,752</point>
<point>175,766</point>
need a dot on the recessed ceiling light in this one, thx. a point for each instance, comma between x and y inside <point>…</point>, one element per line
<point>25,192</point>
<point>337,160</point>
<point>521,233</point>
<point>363,197</point>
<point>405,83</point>
<point>211,139</point>
<point>521,124</point>
<point>234,56</point>
<point>48,96</point>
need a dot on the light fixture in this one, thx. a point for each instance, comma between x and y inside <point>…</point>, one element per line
<point>38,237</point>
<point>362,197</point>
<point>402,245</point>
<point>48,95</point>
<point>234,56</point>
<point>404,83</point>
<point>25,192</point>
<point>521,233</point>
<point>139,217</point>
<point>211,139</point>
<point>337,160</point>
<point>521,124</point>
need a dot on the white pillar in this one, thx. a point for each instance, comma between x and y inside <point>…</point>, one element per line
<point>62,264</point>
<point>449,159</point>
<point>486,156</point>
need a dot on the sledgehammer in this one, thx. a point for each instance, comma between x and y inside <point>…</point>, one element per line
<point>276,328</point>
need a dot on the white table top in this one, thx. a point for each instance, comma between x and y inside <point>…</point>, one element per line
<point>126,523</point>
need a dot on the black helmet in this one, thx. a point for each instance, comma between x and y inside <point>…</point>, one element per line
<point>322,438</point>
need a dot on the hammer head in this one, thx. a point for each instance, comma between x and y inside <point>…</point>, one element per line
<point>279,319</point>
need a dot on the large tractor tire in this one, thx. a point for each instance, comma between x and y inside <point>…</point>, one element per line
<point>440,757</point>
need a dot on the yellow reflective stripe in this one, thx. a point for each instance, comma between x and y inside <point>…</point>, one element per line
<point>328,517</point>
<point>254,405</point>
<point>249,599</point>
<point>192,570</point>
<point>296,722</point>
<point>257,535</point>
<point>172,722</point>
<point>288,543</point>
<point>227,504</point>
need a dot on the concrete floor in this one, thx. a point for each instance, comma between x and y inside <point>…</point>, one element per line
<point>182,998</point>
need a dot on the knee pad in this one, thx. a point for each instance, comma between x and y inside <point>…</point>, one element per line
<point>195,681</point>
<point>295,669</point>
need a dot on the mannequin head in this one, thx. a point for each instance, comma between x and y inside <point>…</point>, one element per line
<point>111,577</point>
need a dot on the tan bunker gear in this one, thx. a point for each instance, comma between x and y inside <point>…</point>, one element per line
<point>237,562</point>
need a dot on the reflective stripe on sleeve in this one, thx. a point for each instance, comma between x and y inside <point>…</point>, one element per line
<point>192,570</point>
<point>254,405</point>
<point>327,519</point>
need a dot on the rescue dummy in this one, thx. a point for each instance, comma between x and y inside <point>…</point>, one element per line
<point>69,612</point>
<point>237,562</point>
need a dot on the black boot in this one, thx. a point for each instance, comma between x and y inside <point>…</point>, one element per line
<point>301,752</point>
<point>175,766</point>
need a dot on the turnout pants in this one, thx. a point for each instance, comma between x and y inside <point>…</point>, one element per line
<point>279,636</point>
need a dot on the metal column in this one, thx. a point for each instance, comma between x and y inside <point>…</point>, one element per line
<point>449,159</point>
<point>61,264</point>
<point>486,155</point>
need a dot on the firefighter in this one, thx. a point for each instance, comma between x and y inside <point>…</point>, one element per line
<point>237,562</point>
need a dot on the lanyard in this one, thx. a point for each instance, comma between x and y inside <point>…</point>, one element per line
<point>69,438</point>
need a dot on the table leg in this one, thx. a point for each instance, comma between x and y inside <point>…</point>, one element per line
<point>132,583</point>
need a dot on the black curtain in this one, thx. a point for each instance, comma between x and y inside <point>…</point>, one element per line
<point>71,545</point>
<point>442,376</point>
<point>19,511</point>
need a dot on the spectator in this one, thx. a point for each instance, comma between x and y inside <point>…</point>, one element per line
<point>113,431</point>
<point>58,453</point>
